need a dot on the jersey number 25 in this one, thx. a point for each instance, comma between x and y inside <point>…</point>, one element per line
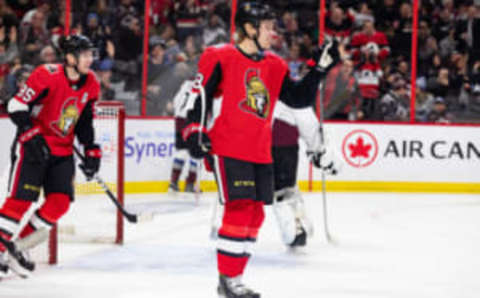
<point>26,93</point>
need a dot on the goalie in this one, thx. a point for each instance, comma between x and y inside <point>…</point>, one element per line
<point>183,102</point>
<point>55,105</point>
<point>288,205</point>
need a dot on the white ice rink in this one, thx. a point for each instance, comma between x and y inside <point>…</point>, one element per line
<point>389,246</point>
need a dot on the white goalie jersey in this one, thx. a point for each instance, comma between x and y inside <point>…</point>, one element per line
<point>304,120</point>
<point>184,99</point>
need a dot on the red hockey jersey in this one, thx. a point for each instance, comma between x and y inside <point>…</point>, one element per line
<point>248,91</point>
<point>57,104</point>
<point>369,75</point>
<point>361,40</point>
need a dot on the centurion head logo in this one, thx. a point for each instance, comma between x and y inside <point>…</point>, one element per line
<point>258,98</point>
<point>68,117</point>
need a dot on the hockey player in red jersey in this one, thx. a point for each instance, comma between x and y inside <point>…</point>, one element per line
<point>55,105</point>
<point>241,84</point>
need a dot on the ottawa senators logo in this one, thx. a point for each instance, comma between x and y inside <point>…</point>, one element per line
<point>68,118</point>
<point>258,98</point>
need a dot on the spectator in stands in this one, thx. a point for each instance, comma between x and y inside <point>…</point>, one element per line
<point>292,33</point>
<point>295,62</point>
<point>214,32</point>
<point>401,43</point>
<point>473,88</point>
<point>362,15</point>
<point>385,14</point>
<point>8,50</point>
<point>369,37</point>
<point>125,10</point>
<point>128,50</point>
<point>338,24</point>
<point>468,30</point>
<point>443,24</point>
<point>48,55</point>
<point>8,44</point>
<point>369,76</point>
<point>34,37</point>
<point>104,72</point>
<point>394,105</point>
<point>341,98</point>
<point>189,15</point>
<point>439,112</point>
<point>159,68</point>
<point>191,52</point>
<point>43,7</point>
<point>161,11</point>
<point>439,84</point>
<point>448,44</point>
<point>101,37</point>
<point>427,48</point>
<point>307,46</point>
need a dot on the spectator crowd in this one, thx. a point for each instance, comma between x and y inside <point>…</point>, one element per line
<point>373,84</point>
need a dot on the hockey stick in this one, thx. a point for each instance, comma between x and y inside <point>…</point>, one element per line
<point>217,206</point>
<point>203,101</point>
<point>133,218</point>
<point>324,192</point>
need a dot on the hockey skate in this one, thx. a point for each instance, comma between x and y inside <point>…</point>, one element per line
<point>3,265</point>
<point>232,287</point>
<point>300,236</point>
<point>17,260</point>
<point>190,187</point>
<point>173,188</point>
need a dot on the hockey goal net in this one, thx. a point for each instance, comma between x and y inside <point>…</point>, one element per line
<point>92,217</point>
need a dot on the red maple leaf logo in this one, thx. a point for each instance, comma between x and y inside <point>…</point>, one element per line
<point>359,149</point>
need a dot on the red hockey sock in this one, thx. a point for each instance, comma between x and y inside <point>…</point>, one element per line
<point>232,254</point>
<point>175,175</point>
<point>55,206</point>
<point>27,230</point>
<point>192,176</point>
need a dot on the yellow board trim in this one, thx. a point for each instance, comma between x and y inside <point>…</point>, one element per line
<point>139,187</point>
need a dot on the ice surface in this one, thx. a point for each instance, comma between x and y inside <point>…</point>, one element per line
<point>388,246</point>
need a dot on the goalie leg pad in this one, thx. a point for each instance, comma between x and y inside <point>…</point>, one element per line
<point>289,210</point>
<point>285,216</point>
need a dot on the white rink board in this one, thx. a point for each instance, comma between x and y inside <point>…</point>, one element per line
<point>406,153</point>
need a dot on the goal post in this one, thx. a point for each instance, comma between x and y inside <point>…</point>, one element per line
<point>92,217</point>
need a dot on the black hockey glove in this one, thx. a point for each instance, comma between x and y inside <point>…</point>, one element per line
<point>35,147</point>
<point>91,163</point>
<point>197,140</point>
<point>323,160</point>
<point>327,56</point>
